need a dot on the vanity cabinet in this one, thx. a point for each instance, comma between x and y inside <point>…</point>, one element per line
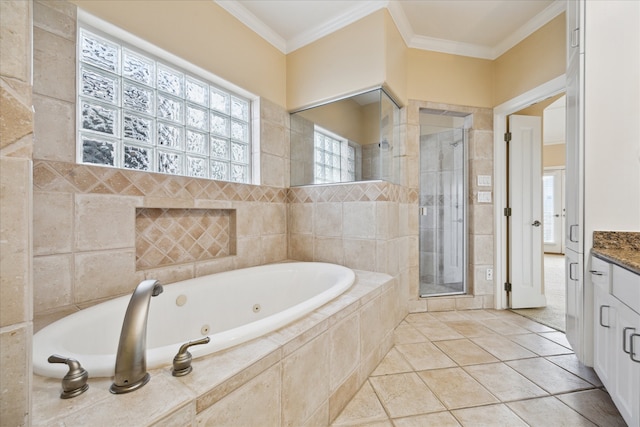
<point>603,331</point>
<point>617,336</point>
<point>574,282</point>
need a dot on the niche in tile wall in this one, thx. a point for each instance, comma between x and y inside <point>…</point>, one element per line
<point>168,236</point>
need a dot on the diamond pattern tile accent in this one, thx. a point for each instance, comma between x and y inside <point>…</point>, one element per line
<point>80,178</point>
<point>353,192</point>
<point>174,236</point>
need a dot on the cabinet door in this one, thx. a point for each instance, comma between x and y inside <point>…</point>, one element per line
<point>604,329</point>
<point>574,154</point>
<point>575,33</point>
<point>574,300</point>
<point>626,387</point>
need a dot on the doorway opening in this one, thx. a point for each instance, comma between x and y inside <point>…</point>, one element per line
<point>553,209</point>
<point>443,202</point>
<point>550,192</point>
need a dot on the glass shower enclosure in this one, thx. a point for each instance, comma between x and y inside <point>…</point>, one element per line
<point>443,203</point>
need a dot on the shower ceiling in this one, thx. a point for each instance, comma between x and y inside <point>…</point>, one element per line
<point>478,28</point>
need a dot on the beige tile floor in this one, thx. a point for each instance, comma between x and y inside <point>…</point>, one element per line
<point>479,368</point>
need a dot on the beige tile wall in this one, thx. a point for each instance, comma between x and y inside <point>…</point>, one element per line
<point>85,229</point>
<point>16,146</point>
<point>85,216</point>
<point>481,215</point>
<point>363,225</point>
<point>375,226</point>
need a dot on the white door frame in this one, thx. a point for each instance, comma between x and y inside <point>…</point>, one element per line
<point>500,113</point>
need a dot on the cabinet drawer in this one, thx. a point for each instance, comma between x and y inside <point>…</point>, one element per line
<point>626,287</point>
<point>601,274</point>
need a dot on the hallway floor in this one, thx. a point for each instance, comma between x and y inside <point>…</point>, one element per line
<point>479,368</point>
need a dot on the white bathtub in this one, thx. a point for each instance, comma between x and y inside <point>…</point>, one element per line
<point>231,308</point>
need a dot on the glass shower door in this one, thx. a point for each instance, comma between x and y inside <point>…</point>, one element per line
<point>443,213</point>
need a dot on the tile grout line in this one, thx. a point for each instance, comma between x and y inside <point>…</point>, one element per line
<point>588,380</point>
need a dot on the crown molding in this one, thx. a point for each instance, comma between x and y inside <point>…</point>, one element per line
<point>242,14</point>
<point>530,27</point>
<point>468,49</point>
<point>415,41</point>
<point>399,17</point>
<point>451,47</point>
<point>354,14</point>
<point>402,22</point>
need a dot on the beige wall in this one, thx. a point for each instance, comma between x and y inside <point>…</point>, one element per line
<point>449,79</point>
<point>346,61</point>
<point>396,52</point>
<point>371,52</point>
<point>366,54</point>
<point>204,34</point>
<point>349,119</point>
<point>535,60</point>
<point>344,118</point>
<point>371,115</point>
<point>552,155</point>
<point>538,108</point>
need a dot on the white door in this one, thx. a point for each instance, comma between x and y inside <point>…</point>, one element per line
<point>553,210</point>
<point>525,201</point>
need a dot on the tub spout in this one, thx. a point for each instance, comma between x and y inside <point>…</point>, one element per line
<point>131,359</point>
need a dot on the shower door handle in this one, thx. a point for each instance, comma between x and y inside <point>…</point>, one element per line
<point>536,223</point>
<point>422,210</point>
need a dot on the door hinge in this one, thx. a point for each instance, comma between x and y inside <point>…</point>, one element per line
<point>507,211</point>
<point>507,286</point>
<point>507,136</point>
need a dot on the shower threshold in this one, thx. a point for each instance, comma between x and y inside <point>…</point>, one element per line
<point>444,289</point>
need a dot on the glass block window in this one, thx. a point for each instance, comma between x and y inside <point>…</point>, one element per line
<point>136,112</point>
<point>334,158</point>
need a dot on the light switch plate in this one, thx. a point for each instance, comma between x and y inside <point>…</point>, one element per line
<point>484,180</point>
<point>484,196</point>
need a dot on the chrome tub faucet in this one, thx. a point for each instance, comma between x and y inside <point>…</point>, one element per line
<point>131,358</point>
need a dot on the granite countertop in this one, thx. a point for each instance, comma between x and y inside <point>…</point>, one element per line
<point>618,247</point>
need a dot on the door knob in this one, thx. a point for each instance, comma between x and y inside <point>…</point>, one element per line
<point>536,223</point>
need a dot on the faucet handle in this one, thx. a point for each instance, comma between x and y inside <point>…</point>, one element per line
<point>182,361</point>
<point>74,382</point>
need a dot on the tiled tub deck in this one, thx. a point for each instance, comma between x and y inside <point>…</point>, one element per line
<point>302,374</point>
